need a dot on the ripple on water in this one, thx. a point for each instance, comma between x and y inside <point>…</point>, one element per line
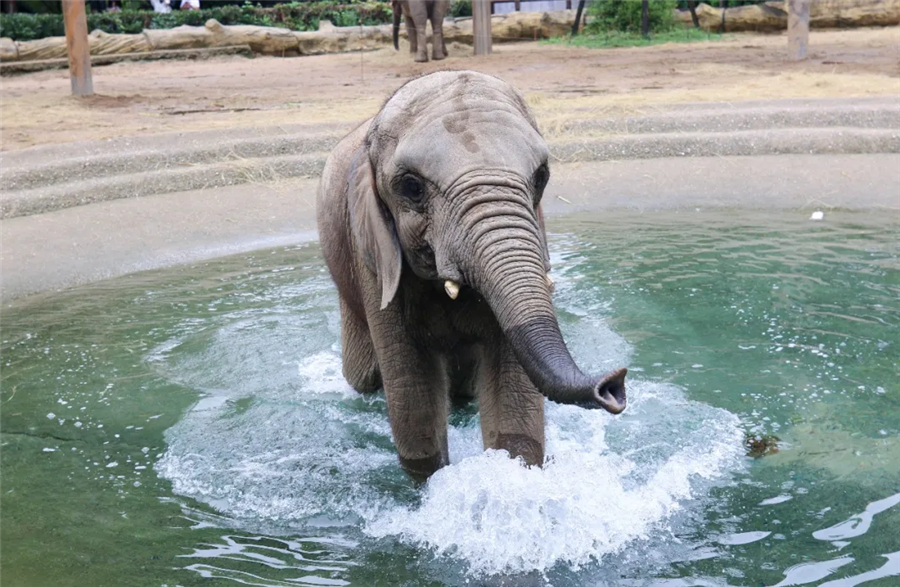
<point>281,439</point>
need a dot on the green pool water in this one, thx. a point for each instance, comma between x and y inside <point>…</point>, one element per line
<point>190,426</point>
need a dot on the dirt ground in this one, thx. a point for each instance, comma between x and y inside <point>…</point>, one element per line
<point>561,83</point>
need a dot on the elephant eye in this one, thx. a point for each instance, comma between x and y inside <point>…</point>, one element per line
<point>411,188</point>
<point>541,177</point>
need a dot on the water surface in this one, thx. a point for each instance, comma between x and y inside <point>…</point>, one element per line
<point>190,426</point>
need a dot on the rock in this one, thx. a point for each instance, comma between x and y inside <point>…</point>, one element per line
<point>49,48</point>
<point>102,43</point>
<point>182,37</point>
<point>772,16</point>
<point>264,40</point>
<point>8,49</point>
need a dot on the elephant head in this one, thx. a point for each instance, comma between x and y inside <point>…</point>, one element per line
<point>448,185</point>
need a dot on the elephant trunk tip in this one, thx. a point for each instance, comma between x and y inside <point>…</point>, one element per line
<point>609,393</point>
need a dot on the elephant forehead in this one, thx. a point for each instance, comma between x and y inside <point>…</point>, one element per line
<point>478,137</point>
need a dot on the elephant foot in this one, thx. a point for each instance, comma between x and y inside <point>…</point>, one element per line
<point>421,59</point>
<point>421,469</point>
<point>438,56</point>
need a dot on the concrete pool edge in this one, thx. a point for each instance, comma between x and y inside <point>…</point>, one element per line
<point>73,246</point>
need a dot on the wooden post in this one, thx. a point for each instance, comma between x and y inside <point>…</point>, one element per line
<point>693,9</point>
<point>645,19</point>
<point>798,29</point>
<point>78,47</point>
<point>578,14</point>
<point>481,23</point>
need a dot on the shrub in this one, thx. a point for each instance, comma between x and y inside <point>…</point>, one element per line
<point>297,16</point>
<point>625,16</point>
<point>461,8</point>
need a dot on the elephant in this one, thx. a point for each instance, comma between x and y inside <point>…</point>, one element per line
<point>417,14</point>
<point>430,223</point>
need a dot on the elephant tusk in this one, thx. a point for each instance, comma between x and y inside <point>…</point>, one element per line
<point>452,288</point>
<point>550,283</point>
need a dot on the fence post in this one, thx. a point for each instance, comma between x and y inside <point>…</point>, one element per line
<point>798,29</point>
<point>481,25</point>
<point>78,47</point>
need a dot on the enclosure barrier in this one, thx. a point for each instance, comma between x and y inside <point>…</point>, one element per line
<point>513,26</point>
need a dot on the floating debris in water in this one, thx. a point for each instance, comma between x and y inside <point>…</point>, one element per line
<point>817,215</point>
<point>759,446</point>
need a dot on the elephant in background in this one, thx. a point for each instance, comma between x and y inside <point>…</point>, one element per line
<point>417,14</point>
<point>431,225</point>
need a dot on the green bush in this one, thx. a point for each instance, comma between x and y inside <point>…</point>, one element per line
<point>461,8</point>
<point>625,16</point>
<point>297,16</point>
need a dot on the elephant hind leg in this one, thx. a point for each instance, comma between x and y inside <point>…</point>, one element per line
<point>411,35</point>
<point>360,364</point>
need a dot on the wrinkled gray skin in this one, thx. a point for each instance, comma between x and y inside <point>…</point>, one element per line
<point>417,14</point>
<point>444,184</point>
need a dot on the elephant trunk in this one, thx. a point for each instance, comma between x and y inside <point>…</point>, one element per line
<point>506,265</point>
<point>397,15</point>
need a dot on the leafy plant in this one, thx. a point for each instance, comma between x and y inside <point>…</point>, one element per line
<point>625,16</point>
<point>461,8</point>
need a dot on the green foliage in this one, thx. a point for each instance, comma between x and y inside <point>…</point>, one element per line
<point>625,16</point>
<point>297,16</point>
<point>612,39</point>
<point>461,8</point>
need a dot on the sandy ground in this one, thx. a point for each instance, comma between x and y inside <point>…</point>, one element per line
<point>561,83</point>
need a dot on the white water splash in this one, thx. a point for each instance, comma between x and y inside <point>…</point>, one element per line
<point>287,445</point>
<point>586,502</point>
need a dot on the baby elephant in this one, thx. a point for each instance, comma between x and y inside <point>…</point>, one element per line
<point>430,220</point>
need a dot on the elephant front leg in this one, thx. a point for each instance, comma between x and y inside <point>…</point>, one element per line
<point>416,387</point>
<point>511,407</point>
<point>359,363</point>
<point>417,395</point>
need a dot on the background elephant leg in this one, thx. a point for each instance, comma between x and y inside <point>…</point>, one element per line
<point>438,50</point>
<point>421,42</point>
<point>512,409</point>
<point>411,34</point>
<point>360,365</point>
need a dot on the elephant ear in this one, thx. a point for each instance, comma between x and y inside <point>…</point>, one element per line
<point>373,227</point>
<point>546,249</point>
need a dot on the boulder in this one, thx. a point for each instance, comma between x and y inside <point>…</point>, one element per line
<point>102,43</point>
<point>49,48</point>
<point>772,16</point>
<point>181,37</point>
<point>853,13</point>
<point>8,49</point>
<point>264,40</point>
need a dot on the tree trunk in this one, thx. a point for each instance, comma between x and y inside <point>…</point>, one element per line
<point>692,6</point>
<point>578,17</point>
<point>645,18</point>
